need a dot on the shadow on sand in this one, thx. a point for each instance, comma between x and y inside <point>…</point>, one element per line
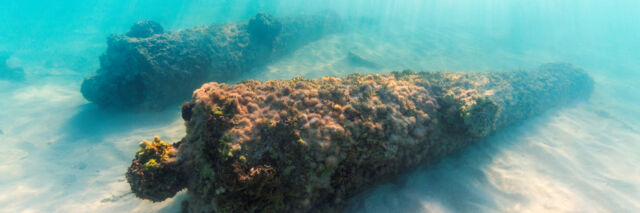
<point>92,123</point>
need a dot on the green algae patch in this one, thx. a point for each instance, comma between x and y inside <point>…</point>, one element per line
<point>154,152</point>
<point>154,172</point>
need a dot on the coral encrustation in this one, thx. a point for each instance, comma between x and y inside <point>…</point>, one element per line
<point>149,68</point>
<point>308,145</point>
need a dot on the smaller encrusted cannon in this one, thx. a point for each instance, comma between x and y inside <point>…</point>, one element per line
<point>308,145</point>
<point>148,68</point>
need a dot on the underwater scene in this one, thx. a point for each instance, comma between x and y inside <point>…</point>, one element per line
<point>320,106</point>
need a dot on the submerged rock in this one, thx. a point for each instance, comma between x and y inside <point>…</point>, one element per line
<point>308,145</point>
<point>10,73</point>
<point>149,69</point>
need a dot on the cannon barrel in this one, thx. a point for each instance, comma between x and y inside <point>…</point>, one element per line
<point>148,68</point>
<point>308,145</point>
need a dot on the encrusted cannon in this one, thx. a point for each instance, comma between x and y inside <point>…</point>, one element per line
<point>148,68</point>
<point>308,145</point>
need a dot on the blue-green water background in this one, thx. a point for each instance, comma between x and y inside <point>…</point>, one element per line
<point>63,154</point>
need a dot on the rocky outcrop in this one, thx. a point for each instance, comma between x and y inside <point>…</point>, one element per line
<point>308,145</point>
<point>148,68</point>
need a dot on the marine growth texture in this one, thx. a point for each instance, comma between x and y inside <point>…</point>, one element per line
<point>308,145</point>
<point>148,68</point>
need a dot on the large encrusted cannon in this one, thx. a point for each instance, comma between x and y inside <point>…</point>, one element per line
<point>148,68</point>
<point>307,145</point>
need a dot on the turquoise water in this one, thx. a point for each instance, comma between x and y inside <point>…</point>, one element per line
<point>62,153</point>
